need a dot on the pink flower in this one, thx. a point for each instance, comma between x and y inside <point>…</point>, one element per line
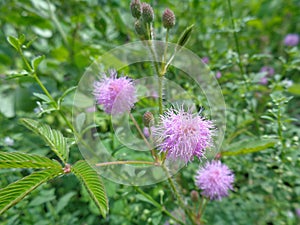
<point>205,60</point>
<point>218,74</point>
<point>291,40</point>
<point>298,212</point>
<point>263,81</point>
<point>183,135</point>
<point>268,69</point>
<point>116,95</point>
<point>215,180</point>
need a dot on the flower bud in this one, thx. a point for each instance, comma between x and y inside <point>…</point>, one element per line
<point>140,28</point>
<point>136,9</point>
<point>168,19</point>
<point>148,119</point>
<point>194,196</point>
<point>147,13</point>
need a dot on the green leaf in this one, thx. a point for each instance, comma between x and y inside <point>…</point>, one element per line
<point>63,201</point>
<point>248,146</point>
<point>68,91</point>
<point>56,141</point>
<point>93,184</point>
<point>184,37</point>
<point>14,42</point>
<point>43,97</point>
<point>22,39</point>
<point>23,160</point>
<point>17,75</point>
<point>15,192</point>
<point>147,199</point>
<point>7,106</point>
<point>36,62</point>
<point>30,42</point>
<point>294,89</point>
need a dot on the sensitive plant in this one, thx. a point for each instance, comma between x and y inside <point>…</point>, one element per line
<point>269,196</point>
<point>179,135</point>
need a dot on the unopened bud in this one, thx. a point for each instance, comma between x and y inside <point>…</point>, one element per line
<point>194,196</point>
<point>148,119</point>
<point>147,13</point>
<point>168,19</point>
<point>140,28</point>
<point>136,9</point>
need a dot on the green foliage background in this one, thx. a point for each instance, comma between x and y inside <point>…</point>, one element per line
<point>71,34</point>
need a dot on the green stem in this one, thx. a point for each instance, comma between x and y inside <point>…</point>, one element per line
<point>160,94</point>
<point>127,162</point>
<point>177,195</point>
<point>165,53</point>
<point>279,124</point>
<point>202,207</point>
<point>149,43</point>
<point>235,38</point>
<point>156,204</point>
<point>25,61</point>
<point>143,136</point>
<point>240,64</point>
<point>57,24</point>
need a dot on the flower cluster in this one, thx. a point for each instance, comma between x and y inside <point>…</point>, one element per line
<point>183,135</point>
<point>215,180</point>
<point>116,95</point>
<point>144,14</point>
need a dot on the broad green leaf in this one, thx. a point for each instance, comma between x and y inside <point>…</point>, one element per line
<point>93,184</point>
<point>36,61</point>
<point>15,192</point>
<point>248,146</point>
<point>56,141</point>
<point>23,160</point>
<point>42,97</point>
<point>14,42</point>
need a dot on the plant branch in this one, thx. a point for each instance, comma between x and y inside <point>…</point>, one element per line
<point>156,204</point>
<point>127,162</point>
<point>177,195</point>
